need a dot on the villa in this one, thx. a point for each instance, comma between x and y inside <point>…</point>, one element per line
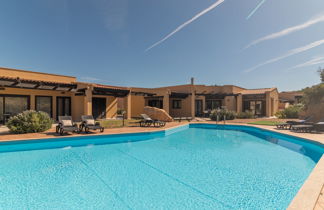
<point>58,95</point>
<point>194,100</point>
<point>64,95</point>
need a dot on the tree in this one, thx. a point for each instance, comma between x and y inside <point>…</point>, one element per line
<point>321,73</point>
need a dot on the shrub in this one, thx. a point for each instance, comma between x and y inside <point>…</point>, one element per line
<point>245,115</point>
<point>120,111</point>
<point>313,95</point>
<point>29,122</point>
<point>290,112</point>
<point>230,115</point>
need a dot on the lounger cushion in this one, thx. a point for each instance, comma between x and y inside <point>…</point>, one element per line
<point>67,122</point>
<point>90,122</point>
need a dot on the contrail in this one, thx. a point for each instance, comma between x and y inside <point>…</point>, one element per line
<point>255,9</point>
<point>312,62</point>
<point>288,31</point>
<point>289,53</point>
<point>186,23</point>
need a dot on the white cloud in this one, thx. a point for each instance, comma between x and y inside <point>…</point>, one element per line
<point>289,53</point>
<point>213,6</point>
<point>288,31</point>
<point>255,9</point>
<point>312,62</point>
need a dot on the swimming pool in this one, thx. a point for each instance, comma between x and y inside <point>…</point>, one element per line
<point>191,167</point>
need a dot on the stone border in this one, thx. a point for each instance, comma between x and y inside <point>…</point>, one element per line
<point>309,194</point>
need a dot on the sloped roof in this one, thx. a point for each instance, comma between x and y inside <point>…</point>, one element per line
<point>289,96</point>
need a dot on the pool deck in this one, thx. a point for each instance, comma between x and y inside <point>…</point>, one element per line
<point>309,197</point>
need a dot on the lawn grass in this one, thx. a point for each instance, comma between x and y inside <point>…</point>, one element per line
<point>264,122</point>
<point>117,123</point>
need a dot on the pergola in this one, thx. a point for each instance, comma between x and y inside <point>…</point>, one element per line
<point>36,84</point>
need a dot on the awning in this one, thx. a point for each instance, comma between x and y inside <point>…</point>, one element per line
<point>110,92</point>
<point>216,95</point>
<point>179,95</point>
<point>254,96</point>
<point>35,84</point>
<point>139,93</point>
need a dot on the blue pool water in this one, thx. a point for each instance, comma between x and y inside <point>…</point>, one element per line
<point>196,167</point>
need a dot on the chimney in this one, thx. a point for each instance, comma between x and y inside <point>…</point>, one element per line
<point>192,81</point>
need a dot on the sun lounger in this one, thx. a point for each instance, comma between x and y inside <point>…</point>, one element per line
<point>309,127</point>
<point>147,122</point>
<point>289,124</point>
<point>66,125</point>
<point>88,123</point>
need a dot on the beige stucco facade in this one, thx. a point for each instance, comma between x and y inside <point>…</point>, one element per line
<point>64,95</point>
<point>61,92</point>
<point>197,100</point>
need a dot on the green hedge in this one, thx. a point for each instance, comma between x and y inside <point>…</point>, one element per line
<point>291,112</point>
<point>245,115</point>
<point>29,122</point>
<point>230,115</point>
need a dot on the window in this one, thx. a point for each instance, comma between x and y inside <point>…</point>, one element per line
<point>176,104</point>
<point>12,105</point>
<point>256,107</point>
<point>44,104</point>
<point>156,103</point>
<point>213,104</point>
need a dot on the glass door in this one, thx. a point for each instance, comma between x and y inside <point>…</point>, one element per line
<point>256,107</point>
<point>63,106</point>
<point>99,108</point>
<point>198,108</point>
<point>44,104</point>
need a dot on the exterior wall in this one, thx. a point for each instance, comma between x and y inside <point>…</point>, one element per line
<point>111,107</point>
<point>77,102</point>
<point>233,103</point>
<point>272,103</point>
<point>80,105</point>
<point>230,103</point>
<point>77,107</point>
<point>36,76</point>
<point>275,102</point>
<point>137,105</point>
<point>34,93</point>
<point>185,110</point>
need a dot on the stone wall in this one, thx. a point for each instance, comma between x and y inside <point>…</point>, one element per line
<point>157,114</point>
<point>316,110</point>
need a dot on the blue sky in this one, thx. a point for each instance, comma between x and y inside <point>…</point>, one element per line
<point>108,41</point>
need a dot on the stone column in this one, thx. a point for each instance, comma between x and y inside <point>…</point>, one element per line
<point>32,102</point>
<point>54,107</point>
<point>268,104</point>
<point>129,106</point>
<point>166,101</point>
<point>239,103</point>
<point>87,109</point>
<point>193,102</point>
